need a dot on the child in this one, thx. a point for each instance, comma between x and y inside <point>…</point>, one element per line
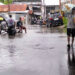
<point>20,26</point>
<point>71,27</point>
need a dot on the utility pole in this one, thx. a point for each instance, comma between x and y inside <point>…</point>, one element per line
<point>71,1</point>
<point>44,9</point>
<point>60,4</point>
<point>8,7</point>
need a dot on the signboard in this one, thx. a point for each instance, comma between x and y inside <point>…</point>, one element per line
<point>52,2</point>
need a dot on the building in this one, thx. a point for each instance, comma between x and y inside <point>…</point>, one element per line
<point>73,1</point>
<point>51,6</point>
<point>34,7</point>
<point>33,4</point>
<point>40,7</point>
<point>16,10</point>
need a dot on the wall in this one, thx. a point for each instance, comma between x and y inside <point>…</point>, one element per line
<point>16,16</point>
<point>52,8</point>
<point>73,1</point>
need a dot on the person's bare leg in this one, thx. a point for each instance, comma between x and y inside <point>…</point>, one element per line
<point>25,29</point>
<point>21,29</point>
<point>68,38</point>
<point>72,40</point>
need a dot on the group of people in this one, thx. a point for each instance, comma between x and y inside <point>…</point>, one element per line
<point>10,25</point>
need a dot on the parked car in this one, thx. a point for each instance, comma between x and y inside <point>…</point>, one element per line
<point>58,19</point>
<point>55,19</point>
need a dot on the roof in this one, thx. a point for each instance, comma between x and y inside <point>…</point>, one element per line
<point>13,7</point>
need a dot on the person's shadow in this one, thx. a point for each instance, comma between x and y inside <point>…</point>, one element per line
<point>71,61</point>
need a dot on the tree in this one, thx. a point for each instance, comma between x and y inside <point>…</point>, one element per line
<point>6,1</point>
<point>1,0</point>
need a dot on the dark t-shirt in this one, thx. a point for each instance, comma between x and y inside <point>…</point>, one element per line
<point>19,23</point>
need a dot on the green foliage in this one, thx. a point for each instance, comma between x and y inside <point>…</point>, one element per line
<point>1,0</point>
<point>65,20</point>
<point>6,1</point>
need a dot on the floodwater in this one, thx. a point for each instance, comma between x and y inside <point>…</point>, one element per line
<point>42,51</point>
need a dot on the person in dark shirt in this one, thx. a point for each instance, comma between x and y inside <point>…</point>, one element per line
<point>20,26</point>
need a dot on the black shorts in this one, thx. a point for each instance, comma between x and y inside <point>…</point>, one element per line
<point>71,32</point>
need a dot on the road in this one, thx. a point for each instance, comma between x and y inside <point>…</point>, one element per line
<point>41,51</point>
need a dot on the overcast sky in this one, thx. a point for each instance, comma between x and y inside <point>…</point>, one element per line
<point>52,2</point>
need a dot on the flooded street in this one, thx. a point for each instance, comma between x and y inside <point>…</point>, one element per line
<point>41,51</point>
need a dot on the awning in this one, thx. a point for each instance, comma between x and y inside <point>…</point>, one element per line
<point>19,12</point>
<point>37,13</point>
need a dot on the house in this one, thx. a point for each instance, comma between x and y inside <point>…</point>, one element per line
<point>34,7</point>
<point>40,7</point>
<point>49,6</point>
<point>54,5</point>
<point>17,10</point>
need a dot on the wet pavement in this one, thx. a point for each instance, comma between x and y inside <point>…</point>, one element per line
<point>42,51</point>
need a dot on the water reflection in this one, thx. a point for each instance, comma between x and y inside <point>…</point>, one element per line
<point>11,50</point>
<point>71,61</point>
<point>11,37</point>
<point>52,30</point>
<point>57,30</point>
<point>18,35</point>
